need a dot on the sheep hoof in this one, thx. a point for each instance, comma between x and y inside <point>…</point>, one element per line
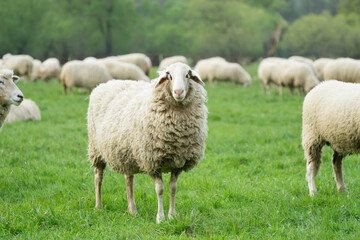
<point>160,218</point>
<point>132,211</point>
<point>171,215</point>
<point>342,190</point>
<point>312,193</point>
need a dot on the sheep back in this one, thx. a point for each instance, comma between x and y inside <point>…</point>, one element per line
<point>343,69</point>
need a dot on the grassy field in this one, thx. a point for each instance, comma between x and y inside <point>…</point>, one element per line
<point>251,183</point>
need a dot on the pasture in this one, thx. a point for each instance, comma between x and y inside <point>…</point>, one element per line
<point>251,183</point>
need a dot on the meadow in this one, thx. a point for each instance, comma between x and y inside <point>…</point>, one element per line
<point>250,185</point>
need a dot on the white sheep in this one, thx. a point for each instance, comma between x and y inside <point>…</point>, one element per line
<point>140,127</point>
<point>50,69</point>
<point>83,75</point>
<point>21,64</point>
<point>27,110</point>
<point>330,117</point>
<point>343,69</point>
<point>307,61</point>
<point>139,59</point>
<point>269,73</point>
<point>319,65</point>
<point>297,75</point>
<point>170,60</point>
<point>35,73</point>
<point>9,93</point>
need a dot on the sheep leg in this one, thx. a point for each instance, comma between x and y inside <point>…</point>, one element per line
<point>337,167</point>
<point>280,90</point>
<point>99,173</point>
<point>159,188</point>
<point>292,91</point>
<point>313,156</point>
<point>130,194</point>
<point>172,190</point>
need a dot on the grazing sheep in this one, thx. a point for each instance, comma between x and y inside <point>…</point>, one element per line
<point>343,69</point>
<point>21,64</point>
<point>140,127</point>
<point>218,68</point>
<point>269,71</point>
<point>35,73</point>
<point>9,93</point>
<point>139,59</point>
<point>320,64</point>
<point>123,70</point>
<point>307,61</point>
<point>330,117</point>
<point>50,69</point>
<point>170,60</point>
<point>27,110</point>
<point>297,75</point>
<point>83,75</point>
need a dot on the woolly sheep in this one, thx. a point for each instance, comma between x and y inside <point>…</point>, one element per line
<point>297,75</point>
<point>21,64</point>
<point>343,69</point>
<point>27,110</point>
<point>319,65</point>
<point>83,75</point>
<point>140,127</point>
<point>330,117</point>
<point>139,59</point>
<point>50,69</point>
<point>269,73</point>
<point>170,60</point>
<point>123,70</point>
<point>35,73</point>
<point>9,93</point>
<point>307,61</point>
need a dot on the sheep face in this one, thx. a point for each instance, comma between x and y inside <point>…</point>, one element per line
<point>179,75</point>
<point>9,92</point>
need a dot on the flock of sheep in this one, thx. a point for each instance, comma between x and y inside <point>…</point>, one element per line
<point>138,125</point>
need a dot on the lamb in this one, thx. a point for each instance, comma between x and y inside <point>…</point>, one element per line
<point>330,117</point>
<point>139,59</point>
<point>27,110</point>
<point>269,73</point>
<point>140,127</point>
<point>50,69</point>
<point>21,64</point>
<point>35,73</point>
<point>170,60</point>
<point>320,64</point>
<point>343,69</point>
<point>9,93</point>
<point>83,75</point>
<point>297,75</point>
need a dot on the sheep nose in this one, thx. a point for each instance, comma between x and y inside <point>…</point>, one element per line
<point>20,96</point>
<point>178,92</point>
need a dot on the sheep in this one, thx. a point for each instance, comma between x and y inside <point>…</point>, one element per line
<point>83,75</point>
<point>140,127</point>
<point>123,70</point>
<point>330,117</point>
<point>343,69</point>
<point>27,110</point>
<point>50,69</point>
<point>269,71</point>
<point>21,64</point>
<point>218,68</point>
<point>139,59</point>
<point>297,75</point>
<point>319,65</point>
<point>35,73</point>
<point>308,61</point>
<point>9,93</point>
<point>170,60</point>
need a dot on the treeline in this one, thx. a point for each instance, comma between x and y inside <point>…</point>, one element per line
<point>230,28</point>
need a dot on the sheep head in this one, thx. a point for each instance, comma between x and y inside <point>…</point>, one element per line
<point>179,75</point>
<point>9,92</point>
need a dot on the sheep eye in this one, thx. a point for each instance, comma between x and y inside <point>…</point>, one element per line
<point>187,76</point>
<point>170,77</point>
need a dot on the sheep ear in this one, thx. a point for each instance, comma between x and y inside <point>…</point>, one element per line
<point>163,76</point>
<point>196,77</point>
<point>15,78</point>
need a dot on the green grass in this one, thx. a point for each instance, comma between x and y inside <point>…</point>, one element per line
<point>251,184</point>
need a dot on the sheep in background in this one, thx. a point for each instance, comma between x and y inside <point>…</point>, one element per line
<point>139,59</point>
<point>330,117</point>
<point>299,75</point>
<point>269,73</point>
<point>50,69</point>
<point>343,69</point>
<point>170,60</point>
<point>141,127</point>
<point>27,110</point>
<point>9,93</point>
<point>83,75</point>
<point>21,64</point>
<point>307,61</point>
<point>319,65</point>
<point>35,73</point>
